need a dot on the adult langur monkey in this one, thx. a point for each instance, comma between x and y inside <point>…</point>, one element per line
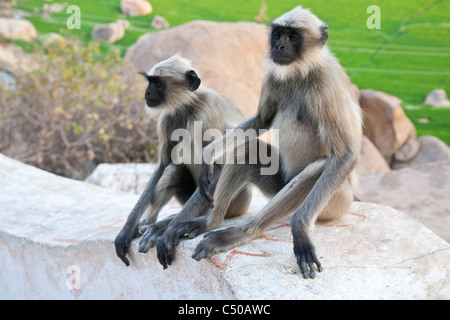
<point>307,96</point>
<point>174,90</point>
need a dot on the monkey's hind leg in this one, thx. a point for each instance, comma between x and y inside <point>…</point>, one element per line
<point>177,181</point>
<point>286,201</point>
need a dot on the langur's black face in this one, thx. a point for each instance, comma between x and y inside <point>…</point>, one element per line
<point>156,91</point>
<point>286,44</point>
<point>159,87</point>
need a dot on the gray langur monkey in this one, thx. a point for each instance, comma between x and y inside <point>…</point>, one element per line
<point>307,96</point>
<point>174,91</point>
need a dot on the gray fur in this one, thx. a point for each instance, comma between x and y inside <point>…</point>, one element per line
<point>311,103</point>
<point>182,107</point>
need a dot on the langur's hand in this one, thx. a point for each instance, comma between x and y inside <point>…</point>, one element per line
<point>205,182</point>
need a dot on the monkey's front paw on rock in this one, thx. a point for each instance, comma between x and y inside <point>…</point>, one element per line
<point>188,229</point>
<point>122,243</point>
<point>165,256</point>
<point>306,259</point>
<point>151,234</point>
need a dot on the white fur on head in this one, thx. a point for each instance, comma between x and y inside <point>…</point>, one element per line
<point>171,67</point>
<point>300,18</point>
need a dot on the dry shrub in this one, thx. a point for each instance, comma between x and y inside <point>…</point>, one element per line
<point>75,111</point>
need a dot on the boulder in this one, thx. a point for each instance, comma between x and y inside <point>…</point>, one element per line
<point>421,191</point>
<point>371,161</point>
<point>17,29</point>
<point>160,23</point>
<point>430,149</point>
<point>437,98</point>
<point>57,242</point>
<point>126,177</point>
<point>212,47</point>
<point>408,151</point>
<point>110,32</point>
<point>385,122</point>
<point>6,9</point>
<point>135,8</point>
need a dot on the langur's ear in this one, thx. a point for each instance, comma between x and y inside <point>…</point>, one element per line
<point>324,33</point>
<point>144,74</point>
<point>193,81</point>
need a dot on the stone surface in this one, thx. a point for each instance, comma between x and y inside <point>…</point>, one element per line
<point>17,29</point>
<point>128,177</point>
<point>431,149</point>
<point>385,122</point>
<point>212,47</point>
<point>56,242</point>
<point>437,98</point>
<point>371,161</point>
<point>421,191</point>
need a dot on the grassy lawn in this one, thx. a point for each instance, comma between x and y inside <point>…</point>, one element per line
<point>408,57</point>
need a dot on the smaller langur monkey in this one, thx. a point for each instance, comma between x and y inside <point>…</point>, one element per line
<point>307,96</point>
<point>174,91</point>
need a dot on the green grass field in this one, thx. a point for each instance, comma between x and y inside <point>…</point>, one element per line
<point>408,57</point>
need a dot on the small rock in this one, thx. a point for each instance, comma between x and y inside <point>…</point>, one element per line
<point>437,98</point>
<point>110,32</point>
<point>160,23</point>
<point>54,7</point>
<point>135,8</point>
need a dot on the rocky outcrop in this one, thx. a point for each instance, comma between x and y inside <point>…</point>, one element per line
<point>58,244</point>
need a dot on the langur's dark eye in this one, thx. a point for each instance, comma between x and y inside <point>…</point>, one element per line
<point>276,35</point>
<point>293,37</point>
<point>159,84</point>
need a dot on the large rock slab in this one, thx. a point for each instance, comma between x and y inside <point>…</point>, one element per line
<point>56,242</point>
